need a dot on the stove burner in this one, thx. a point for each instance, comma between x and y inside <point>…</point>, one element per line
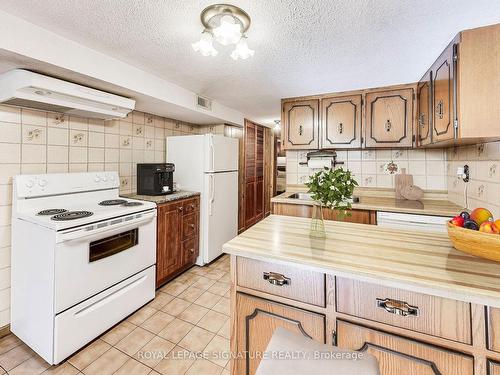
<point>71,215</point>
<point>112,202</point>
<point>132,204</point>
<point>52,211</point>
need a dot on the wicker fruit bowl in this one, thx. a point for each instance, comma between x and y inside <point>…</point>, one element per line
<point>483,245</point>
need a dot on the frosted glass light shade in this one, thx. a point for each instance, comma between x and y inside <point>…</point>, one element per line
<point>228,32</point>
<point>205,45</point>
<point>242,51</point>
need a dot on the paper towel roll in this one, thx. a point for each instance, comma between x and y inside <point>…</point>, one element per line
<point>319,163</point>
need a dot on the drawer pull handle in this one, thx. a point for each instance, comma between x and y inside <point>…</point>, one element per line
<point>181,208</point>
<point>192,250</point>
<point>276,278</point>
<point>192,206</point>
<point>400,308</point>
<point>191,226</point>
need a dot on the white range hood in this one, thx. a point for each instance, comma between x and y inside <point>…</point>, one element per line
<point>27,89</point>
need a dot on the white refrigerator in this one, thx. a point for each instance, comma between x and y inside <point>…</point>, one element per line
<point>209,164</point>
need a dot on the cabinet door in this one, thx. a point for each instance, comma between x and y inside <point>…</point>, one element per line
<point>442,88</point>
<point>341,122</point>
<point>494,329</point>
<point>190,251</point>
<point>494,368</point>
<point>424,110</point>
<point>389,118</point>
<point>168,248</point>
<point>256,321</point>
<point>398,355</point>
<point>301,125</point>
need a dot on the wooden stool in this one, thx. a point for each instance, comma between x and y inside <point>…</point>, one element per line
<point>292,354</point>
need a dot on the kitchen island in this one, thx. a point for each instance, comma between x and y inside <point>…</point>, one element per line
<point>408,297</point>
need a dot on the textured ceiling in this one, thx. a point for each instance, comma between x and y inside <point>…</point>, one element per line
<point>302,47</point>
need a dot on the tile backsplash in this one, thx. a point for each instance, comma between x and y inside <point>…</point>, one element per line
<point>483,189</point>
<point>45,142</point>
<point>369,167</point>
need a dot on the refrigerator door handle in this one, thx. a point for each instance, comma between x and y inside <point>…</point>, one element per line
<point>212,155</point>
<point>212,194</point>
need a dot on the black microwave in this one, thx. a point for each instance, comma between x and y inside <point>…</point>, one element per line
<point>155,179</point>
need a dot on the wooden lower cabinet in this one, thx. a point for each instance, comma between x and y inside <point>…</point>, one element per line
<point>493,368</point>
<point>399,355</point>
<point>257,319</point>
<point>302,210</point>
<point>177,242</point>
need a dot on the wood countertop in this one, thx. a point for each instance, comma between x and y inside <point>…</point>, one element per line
<point>440,207</point>
<point>418,261</point>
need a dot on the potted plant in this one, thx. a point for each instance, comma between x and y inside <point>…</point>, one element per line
<point>330,188</point>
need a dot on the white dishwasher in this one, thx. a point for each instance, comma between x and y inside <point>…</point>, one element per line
<point>428,223</point>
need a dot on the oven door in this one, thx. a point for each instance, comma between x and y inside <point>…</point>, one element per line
<point>93,258</point>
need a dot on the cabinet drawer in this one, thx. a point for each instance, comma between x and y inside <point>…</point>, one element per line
<point>190,250</point>
<point>191,205</point>
<point>494,329</point>
<point>189,225</point>
<point>398,355</point>
<point>256,321</point>
<point>435,316</point>
<point>284,281</point>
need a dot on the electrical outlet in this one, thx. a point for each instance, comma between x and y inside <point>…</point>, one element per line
<point>463,173</point>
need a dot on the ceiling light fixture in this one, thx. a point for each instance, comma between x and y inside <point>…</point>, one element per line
<point>226,24</point>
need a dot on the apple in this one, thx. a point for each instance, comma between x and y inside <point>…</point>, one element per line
<point>458,221</point>
<point>489,227</point>
<point>480,215</point>
<point>497,223</point>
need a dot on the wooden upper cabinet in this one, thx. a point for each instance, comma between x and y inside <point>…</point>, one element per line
<point>398,355</point>
<point>443,96</point>
<point>424,110</point>
<point>389,118</point>
<point>301,124</point>
<point>341,122</point>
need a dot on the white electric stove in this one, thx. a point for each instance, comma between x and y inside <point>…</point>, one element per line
<point>83,258</point>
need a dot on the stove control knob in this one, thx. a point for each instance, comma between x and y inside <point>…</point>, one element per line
<point>112,177</point>
<point>30,184</point>
<point>42,183</point>
<point>97,178</point>
<point>104,178</point>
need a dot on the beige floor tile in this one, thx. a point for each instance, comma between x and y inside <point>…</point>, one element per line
<point>176,306</point>
<point>202,366</point>
<point>218,351</point>
<point>225,331</point>
<point>176,330</point>
<point>213,321</point>
<point>154,351</point>
<point>177,363</point>
<point>219,288</point>
<point>225,372</point>
<point>107,364</point>
<point>9,342</point>
<point>133,367</point>
<point>203,283</point>
<point>161,299</point>
<point>174,288</point>
<point>33,366</point>
<point>141,315</point>
<point>63,369</point>
<point>89,354</point>
<point>223,306</point>
<point>208,300</point>
<point>228,294</point>
<point>215,274</point>
<point>157,322</point>
<point>196,340</point>
<point>135,340</point>
<point>15,357</point>
<point>193,313</point>
<point>191,293</point>
<point>226,278</point>
<point>118,332</point>
<point>197,270</point>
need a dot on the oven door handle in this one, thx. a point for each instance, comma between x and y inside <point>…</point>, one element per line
<point>124,225</point>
